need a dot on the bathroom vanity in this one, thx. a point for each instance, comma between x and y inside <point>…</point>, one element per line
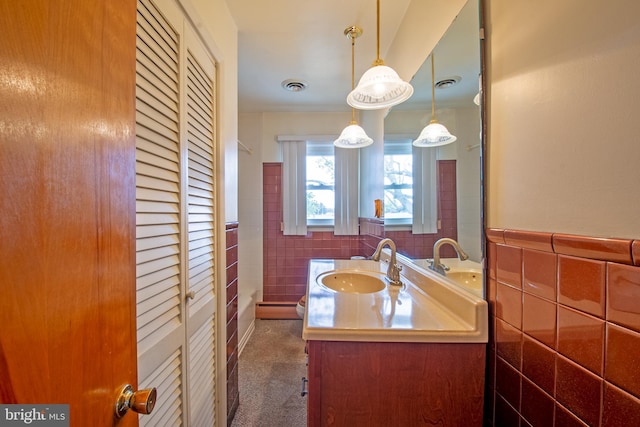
<point>398,355</point>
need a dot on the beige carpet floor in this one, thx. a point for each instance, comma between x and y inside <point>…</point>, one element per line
<point>270,371</point>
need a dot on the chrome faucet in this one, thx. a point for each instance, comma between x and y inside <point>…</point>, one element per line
<point>437,266</point>
<point>393,271</point>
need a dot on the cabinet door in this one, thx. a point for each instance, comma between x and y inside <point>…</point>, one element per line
<point>395,384</point>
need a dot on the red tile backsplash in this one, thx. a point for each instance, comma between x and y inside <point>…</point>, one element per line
<point>581,338</point>
<point>574,358</point>
<point>492,256</point>
<point>620,408</point>
<point>564,418</point>
<point>623,358</point>
<point>508,343</point>
<point>509,265</point>
<point>539,319</point>
<point>495,235</point>
<point>539,364</point>
<point>537,406</point>
<point>615,250</point>
<point>581,284</point>
<point>540,270</point>
<point>579,390</point>
<point>506,415</point>
<point>529,240</point>
<point>508,382</point>
<point>623,294</point>
<point>509,304</point>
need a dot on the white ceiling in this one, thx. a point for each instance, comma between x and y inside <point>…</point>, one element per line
<point>304,40</point>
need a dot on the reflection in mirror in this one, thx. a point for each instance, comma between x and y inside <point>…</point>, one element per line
<point>457,77</point>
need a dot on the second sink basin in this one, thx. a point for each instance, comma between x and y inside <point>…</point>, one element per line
<point>469,279</point>
<point>352,281</point>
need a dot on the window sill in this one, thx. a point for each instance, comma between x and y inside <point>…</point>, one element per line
<point>398,227</point>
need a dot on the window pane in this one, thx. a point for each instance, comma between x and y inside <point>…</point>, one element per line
<point>320,188</point>
<point>398,186</point>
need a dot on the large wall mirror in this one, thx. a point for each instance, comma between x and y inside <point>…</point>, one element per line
<point>457,67</point>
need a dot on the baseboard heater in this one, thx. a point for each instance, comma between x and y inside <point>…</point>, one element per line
<point>276,310</point>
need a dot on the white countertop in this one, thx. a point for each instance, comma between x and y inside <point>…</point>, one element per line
<point>425,309</point>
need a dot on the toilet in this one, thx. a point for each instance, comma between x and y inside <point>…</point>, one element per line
<point>300,307</point>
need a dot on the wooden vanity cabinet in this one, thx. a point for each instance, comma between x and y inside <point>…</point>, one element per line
<point>395,384</point>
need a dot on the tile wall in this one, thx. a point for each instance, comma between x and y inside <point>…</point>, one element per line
<point>232,319</point>
<point>286,258</point>
<point>565,341</point>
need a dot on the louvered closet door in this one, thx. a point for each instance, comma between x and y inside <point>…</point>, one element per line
<point>175,217</point>
<point>201,320</point>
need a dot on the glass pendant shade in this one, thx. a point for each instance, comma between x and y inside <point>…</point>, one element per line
<point>379,87</point>
<point>353,136</point>
<point>434,135</point>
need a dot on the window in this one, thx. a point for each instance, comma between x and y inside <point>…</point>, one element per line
<point>398,182</point>
<point>320,184</point>
<point>410,186</point>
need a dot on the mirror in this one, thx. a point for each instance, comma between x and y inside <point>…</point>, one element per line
<point>457,66</point>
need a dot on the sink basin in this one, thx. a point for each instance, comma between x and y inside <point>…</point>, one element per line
<point>469,279</point>
<point>353,281</point>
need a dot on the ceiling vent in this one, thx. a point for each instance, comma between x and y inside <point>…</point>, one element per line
<point>293,85</point>
<point>448,82</point>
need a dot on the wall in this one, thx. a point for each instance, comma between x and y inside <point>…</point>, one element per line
<point>563,130</point>
<point>562,213</point>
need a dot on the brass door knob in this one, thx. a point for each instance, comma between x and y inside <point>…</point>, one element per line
<point>142,401</point>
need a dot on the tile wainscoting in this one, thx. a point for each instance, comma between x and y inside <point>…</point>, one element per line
<point>565,340</point>
<point>233,398</point>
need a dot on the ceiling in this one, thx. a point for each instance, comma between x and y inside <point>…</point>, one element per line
<point>305,41</point>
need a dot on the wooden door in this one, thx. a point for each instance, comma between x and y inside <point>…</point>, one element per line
<point>67,205</point>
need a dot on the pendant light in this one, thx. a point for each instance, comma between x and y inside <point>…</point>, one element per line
<point>353,136</point>
<point>434,134</point>
<point>380,86</point>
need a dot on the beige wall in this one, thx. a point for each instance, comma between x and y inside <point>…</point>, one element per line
<point>216,26</point>
<point>564,98</point>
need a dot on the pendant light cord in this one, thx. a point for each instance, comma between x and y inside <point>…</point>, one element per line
<point>378,61</point>
<point>378,31</point>
<point>433,92</point>
<point>353,77</point>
